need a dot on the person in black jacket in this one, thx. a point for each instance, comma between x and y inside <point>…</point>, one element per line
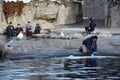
<point>89,45</point>
<point>37,29</point>
<point>91,27</point>
<point>18,29</point>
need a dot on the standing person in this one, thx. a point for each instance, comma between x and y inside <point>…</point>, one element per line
<point>91,27</point>
<point>29,29</point>
<point>10,30</point>
<point>89,45</point>
<point>37,29</point>
<point>18,29</point>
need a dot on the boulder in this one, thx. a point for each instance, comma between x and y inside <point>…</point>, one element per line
<point>46,10</point>
<point>67,15</point>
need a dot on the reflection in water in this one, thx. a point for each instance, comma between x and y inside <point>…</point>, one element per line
<point>90,62</point>
<point>81,68</point>
<point>58,69</point>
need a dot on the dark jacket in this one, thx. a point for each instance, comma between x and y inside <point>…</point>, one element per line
<point>88,43</point>
<point>37,29</point>
<point>92,25</point>
<point>18,30</point>
<point>10,30</point>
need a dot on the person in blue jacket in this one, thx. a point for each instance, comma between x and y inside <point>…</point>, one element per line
<point>29,29</point>
<point>91,27</point>
<point>89,45</point>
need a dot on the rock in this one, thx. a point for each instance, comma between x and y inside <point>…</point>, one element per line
<point>27,15</point>
<point>46,24</point>
<point>69,15</point>
<point>2,19</point>
<point>43,23</point>
<point>47,13</point>
<point>46,10</point>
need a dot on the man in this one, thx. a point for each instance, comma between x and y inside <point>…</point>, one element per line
<point>91,27</point>
<point>18,29</point>
<point>29,29</point>
<point>10,30</point>
<point>89,45</point>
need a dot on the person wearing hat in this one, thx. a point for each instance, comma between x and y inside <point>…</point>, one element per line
<point>37,29</point>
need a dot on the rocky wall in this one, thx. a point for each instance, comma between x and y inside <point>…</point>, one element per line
<point>47,13</point>
<point>2,18</point>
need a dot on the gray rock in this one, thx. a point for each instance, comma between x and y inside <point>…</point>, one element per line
<point>47,13</point>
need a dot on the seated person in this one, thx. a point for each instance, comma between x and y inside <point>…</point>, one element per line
<point>37,29</point>
<point>91,27</point>
<point>28,29</point>
<point>10,30</point>
<point>18,29</point>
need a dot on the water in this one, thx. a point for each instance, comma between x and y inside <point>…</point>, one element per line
<point>59,68</point>
<point>40,67</point>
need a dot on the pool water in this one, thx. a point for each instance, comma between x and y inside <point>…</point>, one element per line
<point>60,68</point>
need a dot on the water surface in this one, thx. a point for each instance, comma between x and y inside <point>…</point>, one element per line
<point>60,68</point>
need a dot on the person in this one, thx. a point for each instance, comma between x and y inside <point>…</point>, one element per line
<point>29,29</point>
<point>18,29</point>
<point>91,27</point>
<point>10,30</point>
<point>37,29</point>
<point>89,45</point>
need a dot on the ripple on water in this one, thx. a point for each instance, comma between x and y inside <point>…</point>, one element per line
<point>59,69</point>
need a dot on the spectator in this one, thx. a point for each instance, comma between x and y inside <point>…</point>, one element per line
<point>10,30</point>
<point>29,29</point>
<point>91,27</point>
<point>18,29</point>
<point>37,29</point>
